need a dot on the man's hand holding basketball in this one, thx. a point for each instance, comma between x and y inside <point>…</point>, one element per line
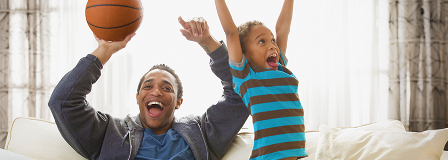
<point>106,49</point>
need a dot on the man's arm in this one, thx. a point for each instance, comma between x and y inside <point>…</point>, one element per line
<point>80,125</point>
<point>106,49</point>
<point>222,121</point>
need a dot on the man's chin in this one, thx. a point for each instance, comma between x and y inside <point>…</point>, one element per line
<point>154,123</point>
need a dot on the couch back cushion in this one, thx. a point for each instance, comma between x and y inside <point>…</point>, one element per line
<point>38,139</point>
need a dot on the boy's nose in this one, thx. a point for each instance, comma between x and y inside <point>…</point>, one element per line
<point>273,46</point>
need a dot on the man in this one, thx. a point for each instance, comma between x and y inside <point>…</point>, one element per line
<point>155,133</point>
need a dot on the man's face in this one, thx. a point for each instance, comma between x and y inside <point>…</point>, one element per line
<point>157,101</point>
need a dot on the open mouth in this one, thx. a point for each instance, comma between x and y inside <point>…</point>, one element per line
<point>272,60</point>
<point>155,109</point>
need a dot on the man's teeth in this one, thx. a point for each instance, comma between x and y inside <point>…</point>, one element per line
<point>156,103</point>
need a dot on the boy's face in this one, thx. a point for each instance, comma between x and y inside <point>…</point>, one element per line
<point>157,100</point>
<point>261,48</point>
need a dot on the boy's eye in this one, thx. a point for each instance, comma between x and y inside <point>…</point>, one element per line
<point>261,41</point>
<point>273,40</point>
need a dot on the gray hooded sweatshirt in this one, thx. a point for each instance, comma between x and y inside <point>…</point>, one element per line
<point>97,135</point>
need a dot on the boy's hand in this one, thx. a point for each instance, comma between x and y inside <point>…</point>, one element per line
<point>195,29</point>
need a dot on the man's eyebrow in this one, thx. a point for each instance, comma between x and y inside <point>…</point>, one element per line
<point>149,80</point>
<point>167,82</point>
<point>164,81</point>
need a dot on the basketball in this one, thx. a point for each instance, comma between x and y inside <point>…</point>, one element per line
<point>113,20</point>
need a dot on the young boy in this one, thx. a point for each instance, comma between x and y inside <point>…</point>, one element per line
<point>266,86</point>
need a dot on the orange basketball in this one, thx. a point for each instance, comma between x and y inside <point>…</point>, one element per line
<point>113,20</point>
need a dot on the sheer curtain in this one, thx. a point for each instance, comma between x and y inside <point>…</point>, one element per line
<point>418,72</point>
<point>342,62</point>
<point>27,46</point>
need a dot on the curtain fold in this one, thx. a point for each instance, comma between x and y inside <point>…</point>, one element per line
<point>4,61</point>
<point>28,37</point>
<point>418,63</point>
<point>342,80</point>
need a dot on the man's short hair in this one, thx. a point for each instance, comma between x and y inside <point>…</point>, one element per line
<point>169,70</point>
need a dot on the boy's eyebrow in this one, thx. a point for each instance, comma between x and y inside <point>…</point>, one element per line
<point>258,36</point>
<point>261,35</point>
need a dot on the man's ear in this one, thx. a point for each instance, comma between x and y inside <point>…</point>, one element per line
<point>179,102</point>
<point>136,97</point>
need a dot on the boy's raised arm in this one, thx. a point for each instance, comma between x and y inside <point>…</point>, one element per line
<point>283,25</point>
<point>231,31</point>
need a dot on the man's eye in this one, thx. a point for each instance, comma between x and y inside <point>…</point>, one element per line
<point>167,88</point>
<point>147,87</point>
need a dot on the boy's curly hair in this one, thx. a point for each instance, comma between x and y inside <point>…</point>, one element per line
<point>243,30</point>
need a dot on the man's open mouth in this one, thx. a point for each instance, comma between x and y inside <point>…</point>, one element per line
<point>155,109</point>
<point>272,60</point>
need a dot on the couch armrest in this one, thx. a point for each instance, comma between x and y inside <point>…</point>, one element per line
<point>38,139</point>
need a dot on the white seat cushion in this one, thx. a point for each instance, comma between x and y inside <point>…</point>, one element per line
<point>38,139</point>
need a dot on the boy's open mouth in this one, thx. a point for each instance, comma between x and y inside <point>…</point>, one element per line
<point>272,60</point>
<point>155,109</point>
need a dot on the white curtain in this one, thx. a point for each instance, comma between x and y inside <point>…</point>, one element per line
<point>342,62</point>
<point>337,49</point>
<point>418,73</point>
<point>28,43</point>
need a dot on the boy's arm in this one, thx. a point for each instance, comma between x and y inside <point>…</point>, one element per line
<point>231,31</point>
<point>283,25</point>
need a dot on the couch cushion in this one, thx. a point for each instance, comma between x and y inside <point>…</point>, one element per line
<point>337,143</point>
<point>38,139</point>
<point>4,155</point>
<point>241,146</point>
<point>312,137</point>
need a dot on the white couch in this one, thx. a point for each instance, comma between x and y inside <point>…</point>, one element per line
<point>31,138</point>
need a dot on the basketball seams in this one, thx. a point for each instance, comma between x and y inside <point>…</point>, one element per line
<point>113,20</point>
<point>117,5</point>
<point>115,27</point>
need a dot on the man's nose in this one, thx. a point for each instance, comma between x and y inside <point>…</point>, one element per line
<point>156,92</point>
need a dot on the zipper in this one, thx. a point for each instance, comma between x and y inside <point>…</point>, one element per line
<point>203,139</point>
<point>130,146</point>
<point>128,134</point>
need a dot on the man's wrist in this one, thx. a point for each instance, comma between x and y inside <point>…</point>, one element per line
<point>209,44</point>
<point>103,54</point>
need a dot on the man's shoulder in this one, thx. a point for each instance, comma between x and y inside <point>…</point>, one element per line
<point>132,122</point>
<point>189,119</point>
